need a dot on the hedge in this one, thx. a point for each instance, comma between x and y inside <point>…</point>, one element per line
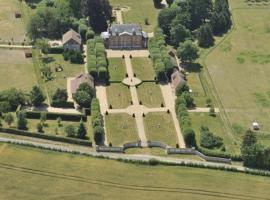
<point>58,104</point>
<point>56,50</point>
<point>46,136</point>
<point>54,116</point>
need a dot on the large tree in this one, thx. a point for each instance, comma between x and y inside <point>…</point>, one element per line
<point>205,36</point>
<point>99,13</point>
<point>36,96</point>
<point>187,51</point>
<point>179,33</point>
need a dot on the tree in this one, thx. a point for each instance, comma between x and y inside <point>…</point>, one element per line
<point>99,135</point>
<point>181,88</point>
<point>87,88</point>
<point>205,36</point>
<point>14,97</point>
<point>21,120</point>
<point>209,140</point>
<point>189,136</point>
<point>9,119</point>
<point>59,121</point>
<point>187,51</point>
<point>81,132</point>
<point>99,12</point>
<point>249,139</point>
<point>189,99</point>
<point>169,2</point>
<point>157,3</point>
<point>36,96</point>
<point>46,73</point>
<point>179,33</point>
<point>83,98</point>
<point>43,45</point>
<point>70,130</point>
<point>43,117</point>
<point>60,96</point>
<point>212,111</point>
<point>5,107</point>
<point>165,18</point>
<point>39,128</point>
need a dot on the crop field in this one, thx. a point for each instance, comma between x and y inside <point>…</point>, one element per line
<point>37,174</point>
<point>16,70</point>
<point>138,11</point>
<point>239,68</point>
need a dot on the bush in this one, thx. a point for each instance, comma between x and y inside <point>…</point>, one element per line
<point>99,135</point>
<point>180,89</point>
<point>60,96</point>
<point>209,140</point>
<point>70,130</point>
<point>21,120</point>
<point>189,136</point>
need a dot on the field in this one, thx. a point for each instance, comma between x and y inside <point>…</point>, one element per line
<point>118,95</point>
<point>239,68</point>
<point>16,70</point>
<point>159,127</point>
<point>143,68</point>
<point>138,11</point>
<point>12,29</point>
<point>120,129</point>
<point>117,69</point>
<point>45,175</point>
<point>150,95</point>
<point>60,78</point>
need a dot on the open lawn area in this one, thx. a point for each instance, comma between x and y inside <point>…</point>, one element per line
<point>150,95</point>
<point>159,127</point>
<point>12,29</point>
<point>16,70</point>
<point>239,68</point>
<point>60,78</point>
<point>143,68</point>
<point>30,174</point>
<point>120,129</point>
<point>215,126</point>
<point>138,12</point>
<point>118,95</point>
<point>117,69</point>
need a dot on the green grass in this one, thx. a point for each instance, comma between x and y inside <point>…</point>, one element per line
<point>160,127</point>
<point>117,69</point>
<point>120,129</point>
<point>240,74</point>
<point>16,70</point>
<point>118,95</point>
<point>12,29</point>
<point>139,10</point>
<point>150,95</point>
<point>60,78</point>
<point>30,174</point>
<point>143,68</point>
<point>215,125</point>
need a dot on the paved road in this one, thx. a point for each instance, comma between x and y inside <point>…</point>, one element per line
<point>15,46</point>
<point>120,53</point>
<point>201,110</point>
<point>89,151</point>
<point>119,17</point>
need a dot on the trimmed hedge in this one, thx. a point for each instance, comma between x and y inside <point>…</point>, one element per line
<point>56,50</point>
<point>58,104</point>
<point>54,116</point>
<point>47,137</point>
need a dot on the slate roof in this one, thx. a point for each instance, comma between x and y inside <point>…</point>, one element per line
<point>81,78</point>
<point>71,34</point>
<point>125,28</point>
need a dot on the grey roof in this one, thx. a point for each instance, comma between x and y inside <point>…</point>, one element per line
<point>81,78</point>
<point>131,29</point>
<point>71,34</point>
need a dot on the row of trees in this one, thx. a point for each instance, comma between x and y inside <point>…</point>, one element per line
<point>184,19</point>
<point>160,56</point>
<point>96,59</point>
<point>52,18</point>
<point>97,122</point>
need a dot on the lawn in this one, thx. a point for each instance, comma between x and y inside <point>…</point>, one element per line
<point>143,68</point>
<point>159,127</point>
<point>12,29</point>
<point>38,174</point>
<point>118,95</point>
<point>117,69</point>
<point>150,95</point>
<point>60,78</point>
<point>215,125</point>
<point>16,70</point>
<point>138,11</point>
<point>239,68</point>
<point>120,129</point>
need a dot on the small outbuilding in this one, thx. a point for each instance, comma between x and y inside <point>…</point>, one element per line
<point>28,53</point>
<point>18,14</point>
<point>255,126</point>
<point>72,40</point>
<point>177,78</point>
<point>78,80</point>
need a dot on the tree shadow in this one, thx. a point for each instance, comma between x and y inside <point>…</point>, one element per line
<point>192,67</point>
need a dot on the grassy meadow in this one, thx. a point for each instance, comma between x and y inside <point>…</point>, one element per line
<point>143,68</point>
<point>117,69</point>
<point>120,129</point>
<point>16,70</point>
<point>159,126</point>
<point>45,175</point>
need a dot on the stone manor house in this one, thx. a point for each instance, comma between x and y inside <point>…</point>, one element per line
<point>125,36</point>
